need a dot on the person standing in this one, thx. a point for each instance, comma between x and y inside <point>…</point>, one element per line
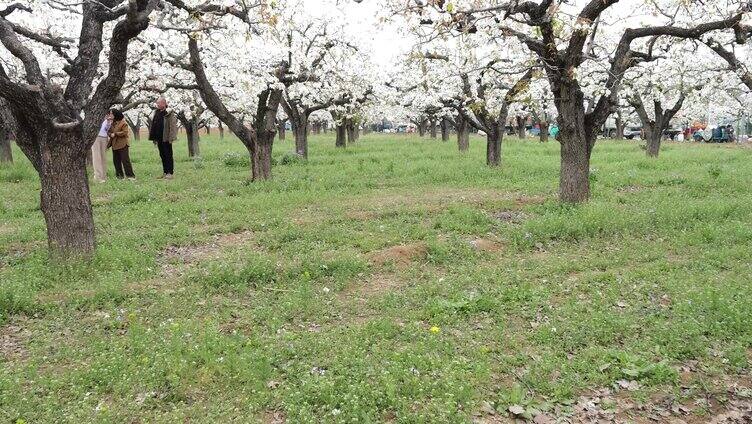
<point>99,150</point>
<point>163,131</point>
<point>120,142</point>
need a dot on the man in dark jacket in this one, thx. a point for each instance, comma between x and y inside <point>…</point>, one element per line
<point>163,132</point>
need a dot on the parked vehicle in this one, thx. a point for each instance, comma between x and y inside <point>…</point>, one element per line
<point>672,132</point>
<point>720,134</point>
<point>632,133</point>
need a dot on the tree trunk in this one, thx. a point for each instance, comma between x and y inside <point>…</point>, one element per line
<point>432,123</point>
<point>281,131</point>
<point>6,153</point>
<point>653,135</point>
<point>574,175</point>
<point>351,137</point>
<point>65,200</point>
<point>261,164</point>
<point>543,131</point>
<point>520,127</point>
<point>619,127</point>
<point>493,146</point>
<point>300,130</point>
<point>191,131</point>
<point>221,131</point>
<point>463,134</point>
<point>208,129</point>
<point>135,127</point>
<point>444,129</point>
<point>422,128</point>
<point>341,139</point>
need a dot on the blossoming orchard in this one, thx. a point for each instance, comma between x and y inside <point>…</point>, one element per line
<point>394,152</point>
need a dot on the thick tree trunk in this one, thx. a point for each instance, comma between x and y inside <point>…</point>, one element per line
<point>653,135</point>
<point>543,131</point>
<point>574,176</point>
<point>262,162</point>
<point>221,131</point>
<point>341,138</point>
<point>300,130</point>
<point>6,153</point>
<point>422,128</point>
<point>463,134</point>
<point>520,127</point>
<point>191,132</point>
<point>352,135</point>
<point>65,200</point>
<point>493,146</point>
<point>444,129</point>
<point>432,123</point>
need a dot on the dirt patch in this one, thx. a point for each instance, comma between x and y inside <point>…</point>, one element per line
<point>486,245</point>
<point>401,255</point>
<point>529,200</point>
<point>196,253</point>
<point>376,205</point>
<point>510,216</point>
<point>376,285</point>
<point>273,417</point>
<point>13,339</point>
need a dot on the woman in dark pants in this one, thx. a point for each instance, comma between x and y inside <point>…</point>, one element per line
<point>120,142</point>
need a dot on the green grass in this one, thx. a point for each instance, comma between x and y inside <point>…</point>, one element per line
<point>175,320</point>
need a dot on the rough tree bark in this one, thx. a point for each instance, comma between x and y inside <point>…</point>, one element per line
<point>445,129</point>
<point>6,152</point>
<point>577,143</point>
<point>619,127</point>
<point>300,132</point>
<point>7,129</point>
<point>352,131</point>
<point>192,134</point>
<point>341,138</point>
<point>422,127</point>
<point>281,129</point>
<point>520,121</point>
<point>432,126</point>
<point>463,134</point>
<point>493,144</point>
<point>190,124</point>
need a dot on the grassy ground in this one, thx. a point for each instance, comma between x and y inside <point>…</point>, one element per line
<point>396,280</point>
